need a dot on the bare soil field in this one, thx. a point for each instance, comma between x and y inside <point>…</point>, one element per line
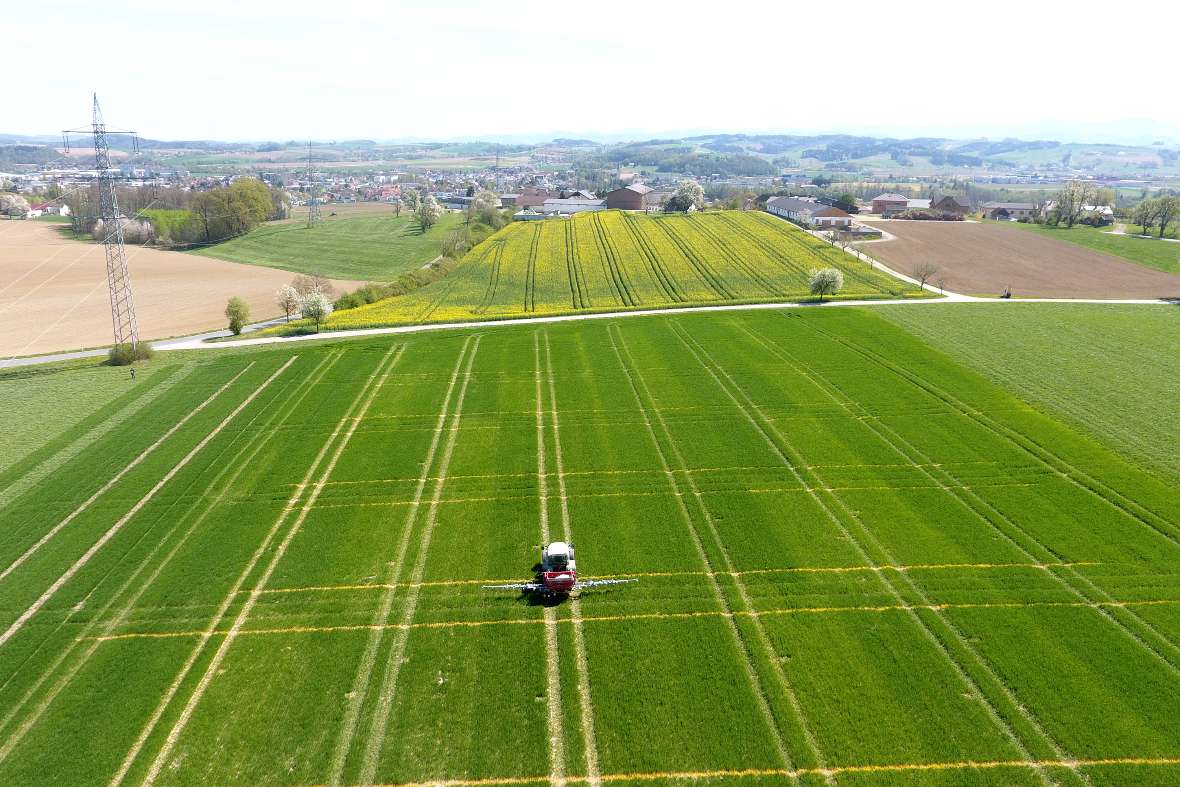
<point>983,259</point>
<point>53,292</point>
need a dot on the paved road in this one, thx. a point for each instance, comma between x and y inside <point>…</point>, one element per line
<point>162,344</point>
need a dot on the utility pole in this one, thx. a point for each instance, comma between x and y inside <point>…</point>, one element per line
<point>123,321</point>
<point>313,203</point>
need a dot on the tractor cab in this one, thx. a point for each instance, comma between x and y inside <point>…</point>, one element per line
<point>558,556</point>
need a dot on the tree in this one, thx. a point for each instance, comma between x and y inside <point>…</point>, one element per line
<point>238,314</point>
<point>13,205</point>
<point>315,306</point>
<point>287,299</point>
<point>923,271</point>
<point>826,281</point>
<point>428,212</point>
<point>1072,199</point>
<point>688,196</point>
<point>485,207</point>
<point>411,198</point>
<point>1167,210</point>
<point>306,284</point>
<point>1144,214</point>
<point>455,244</point>
<point>847,202</point>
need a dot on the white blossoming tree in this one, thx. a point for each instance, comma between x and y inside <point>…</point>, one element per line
<point>316,307</point>
<point>826,281</point>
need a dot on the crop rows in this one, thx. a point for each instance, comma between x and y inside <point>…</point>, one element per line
<point>613,260</point>
<point>859,563</point>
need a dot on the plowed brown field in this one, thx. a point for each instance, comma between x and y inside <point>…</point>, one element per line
<point>53,292</point>
<point>983,259</point>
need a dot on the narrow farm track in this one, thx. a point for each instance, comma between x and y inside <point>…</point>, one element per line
<point>198,650</point>
<point>364,673</point>
<point>831,504</point>
<point>134,587</point>
<point>756,684</point>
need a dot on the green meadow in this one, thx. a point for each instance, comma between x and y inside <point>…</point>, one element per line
<point>368,243</point>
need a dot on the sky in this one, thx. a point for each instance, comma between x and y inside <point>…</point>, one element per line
<point>601,69</point>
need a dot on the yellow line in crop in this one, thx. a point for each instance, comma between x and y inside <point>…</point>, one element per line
<point>836,770</point>
<point>658,574</point>
<point>721,469</point>
<point>834,569</point>
<point>651,616</point>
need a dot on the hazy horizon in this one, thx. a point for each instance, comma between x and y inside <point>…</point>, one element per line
<point>462,70</point>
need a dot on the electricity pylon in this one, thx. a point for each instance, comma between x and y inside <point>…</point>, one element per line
<point>313,203</point>
<point>118,278</point>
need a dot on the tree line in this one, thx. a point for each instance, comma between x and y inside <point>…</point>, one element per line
<point>178,217</point>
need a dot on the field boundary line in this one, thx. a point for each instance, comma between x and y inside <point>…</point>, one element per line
<point>552,661</point>
<point>198,649</point>
<point>581,661</point>
<point>364,673</point>
<point>742,647</point>
<point>151,493</point>
<point>757,613</point>
<point>44,467</point>
<point>389,679</point>
<point>144,454</point>
<point>710,365</point>
<point>243,459</point>
<point>980,508</point>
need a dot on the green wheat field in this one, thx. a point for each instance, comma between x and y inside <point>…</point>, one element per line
<point>860,563</point>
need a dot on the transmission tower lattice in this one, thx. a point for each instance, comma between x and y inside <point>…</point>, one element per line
<point>118,278</point>
<point>313,202</point>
